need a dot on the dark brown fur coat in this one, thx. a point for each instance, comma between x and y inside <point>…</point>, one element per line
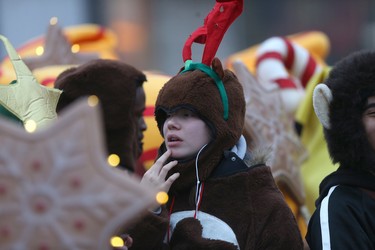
<point>247,203</point>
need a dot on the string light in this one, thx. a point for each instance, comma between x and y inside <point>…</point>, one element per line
<point>162,197</point>
<point>92,100</point>
<point>30,126</point>
<point>117,241</point>
<point>75,48</point>
<point>53,20</point>
<point>113,160</point>
<point>39,50</point>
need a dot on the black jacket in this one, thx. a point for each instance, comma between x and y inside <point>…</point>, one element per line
<point>345,212</point>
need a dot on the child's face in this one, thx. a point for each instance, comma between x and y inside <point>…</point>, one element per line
<point>185,133</point>
<point>368,119</point>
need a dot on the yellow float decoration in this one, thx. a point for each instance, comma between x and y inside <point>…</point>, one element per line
<point>311,138</point>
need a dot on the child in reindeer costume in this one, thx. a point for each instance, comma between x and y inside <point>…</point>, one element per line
<point>220,196</point>
<point>345,104</point>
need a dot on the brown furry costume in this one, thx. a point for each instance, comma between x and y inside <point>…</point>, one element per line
<point>114,83</point>
<point>349,97</point>
<point>241,207</point>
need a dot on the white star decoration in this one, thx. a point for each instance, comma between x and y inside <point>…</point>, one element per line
<point>27,99</point>
<point>269,124</point>
<point>56,189</point>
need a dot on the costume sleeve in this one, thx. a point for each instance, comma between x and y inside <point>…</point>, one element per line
<point>149,232</point>
<point>274,223</point>
<point>341,221</point>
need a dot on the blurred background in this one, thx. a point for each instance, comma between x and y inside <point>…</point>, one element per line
<point>151,33</point>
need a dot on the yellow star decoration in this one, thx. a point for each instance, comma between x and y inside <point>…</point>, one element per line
<point>27,99</point>
<point>57,190</point>
<point>269,124</point>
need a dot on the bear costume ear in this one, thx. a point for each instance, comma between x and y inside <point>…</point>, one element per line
<point>218,67</point>
<point>322,97</point>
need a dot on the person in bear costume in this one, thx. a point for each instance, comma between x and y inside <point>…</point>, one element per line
<point>344,217</point>
<point>119,88</point>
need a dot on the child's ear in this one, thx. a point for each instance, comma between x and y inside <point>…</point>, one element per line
<point>218,67</point>
<point>322,97</point>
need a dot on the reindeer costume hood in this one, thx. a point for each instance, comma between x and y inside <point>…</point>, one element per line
<point>214,94</point>
<point>197,91</point>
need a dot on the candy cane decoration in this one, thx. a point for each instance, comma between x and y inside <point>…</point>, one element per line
<point>284,63</point>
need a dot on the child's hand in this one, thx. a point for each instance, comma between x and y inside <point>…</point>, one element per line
<point>157,173</point>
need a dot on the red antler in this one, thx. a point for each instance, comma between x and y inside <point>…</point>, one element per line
<point>212,32</point>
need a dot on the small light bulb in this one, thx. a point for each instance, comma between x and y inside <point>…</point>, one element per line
<point>117,241</point>
<point>113,160</point>
<point>75,48</point>
<point>162,197</point>
<point>53,20</point>
<point>30,126</point>
<point>39,50</point>
<point>92,100</point>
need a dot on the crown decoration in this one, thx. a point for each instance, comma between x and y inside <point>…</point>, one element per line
<point>57,50</point>
<point>27,99</point>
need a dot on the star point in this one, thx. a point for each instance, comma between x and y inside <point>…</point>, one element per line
<point>26,98</point>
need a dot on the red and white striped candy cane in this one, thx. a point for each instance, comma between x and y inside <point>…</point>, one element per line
<point>284,63</point>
